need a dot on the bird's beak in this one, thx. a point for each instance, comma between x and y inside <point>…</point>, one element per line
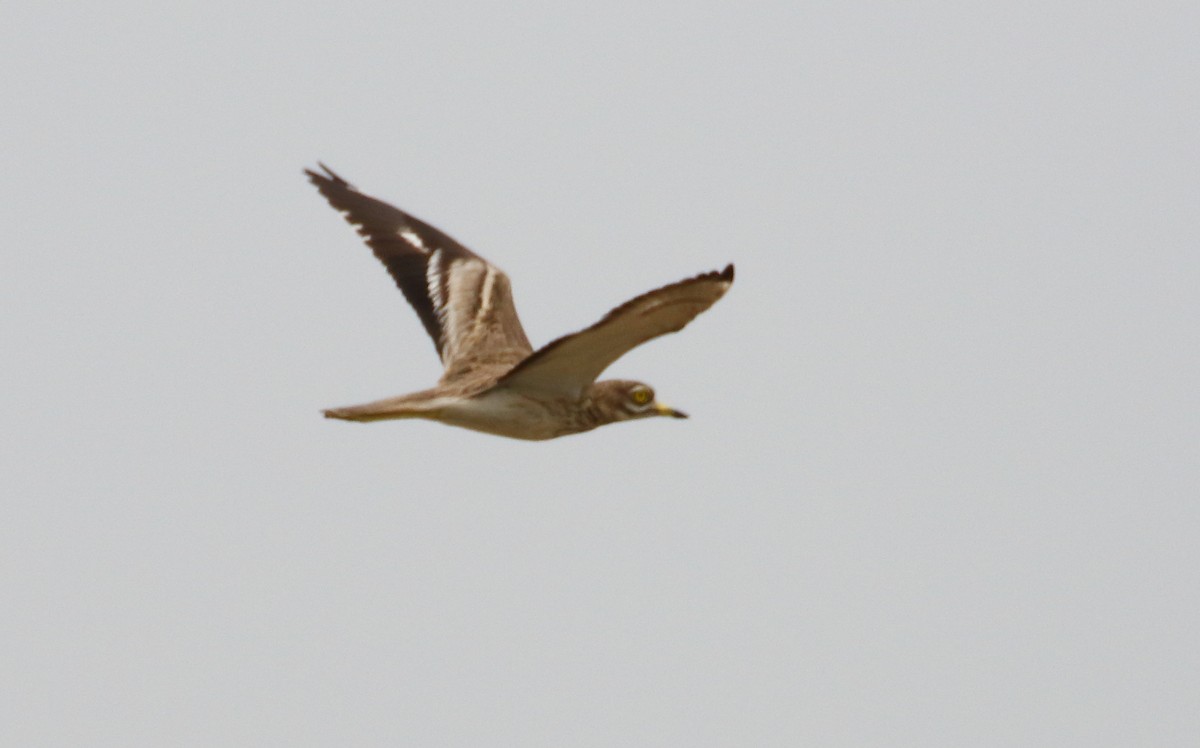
<point>665,411</point>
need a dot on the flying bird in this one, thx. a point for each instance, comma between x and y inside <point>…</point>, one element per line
<point>494,381</point>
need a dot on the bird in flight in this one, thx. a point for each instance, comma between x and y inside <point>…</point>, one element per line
<point>494,381</point>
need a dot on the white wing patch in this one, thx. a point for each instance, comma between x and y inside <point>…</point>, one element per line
<point>411,237</point>
<point>433,280</point>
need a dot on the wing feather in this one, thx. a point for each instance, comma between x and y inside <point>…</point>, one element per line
<point>569,364</point>
<point>447,284</point>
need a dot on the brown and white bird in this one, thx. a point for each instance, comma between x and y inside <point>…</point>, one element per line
<point>494,381</point>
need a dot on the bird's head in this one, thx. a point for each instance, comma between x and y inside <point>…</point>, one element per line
<point>625,400</point>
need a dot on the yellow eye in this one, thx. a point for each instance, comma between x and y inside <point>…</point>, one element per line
<point>641,397</point>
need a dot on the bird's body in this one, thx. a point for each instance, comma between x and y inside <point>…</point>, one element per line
<point>493,380</point>
<point>499,411</point>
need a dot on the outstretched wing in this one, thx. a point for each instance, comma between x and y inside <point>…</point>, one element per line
<point>568,365</point>
<point>464,302</point>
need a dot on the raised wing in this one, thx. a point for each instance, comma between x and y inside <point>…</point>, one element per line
<point>464,302</point>
<point>568,365</point>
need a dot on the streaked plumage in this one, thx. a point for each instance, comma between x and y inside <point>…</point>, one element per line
<point>493,379</point>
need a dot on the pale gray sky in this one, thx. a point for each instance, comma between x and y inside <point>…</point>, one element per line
<point>940,486</point>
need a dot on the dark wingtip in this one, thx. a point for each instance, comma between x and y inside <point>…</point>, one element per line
<point>329,176</point>
<point>727,273</point>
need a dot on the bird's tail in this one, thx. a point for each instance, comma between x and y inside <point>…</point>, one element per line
<point>416,405</point>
